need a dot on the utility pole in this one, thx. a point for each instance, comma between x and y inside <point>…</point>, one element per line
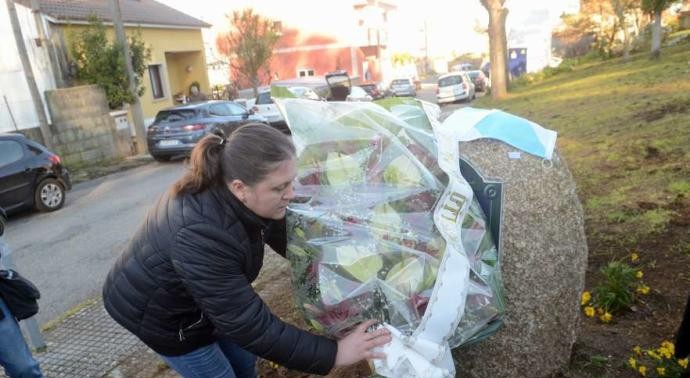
<point>426,48</point>
<point>137,113</point>
<point>29,73</point>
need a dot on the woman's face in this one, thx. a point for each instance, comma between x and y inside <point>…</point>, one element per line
<point>269,197</point>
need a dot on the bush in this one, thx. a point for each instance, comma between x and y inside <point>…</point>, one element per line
<point>617,292</point>
<point>657,362</point>
<point>101,62</point>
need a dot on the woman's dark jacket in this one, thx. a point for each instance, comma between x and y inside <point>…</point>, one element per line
<point>184,281</point>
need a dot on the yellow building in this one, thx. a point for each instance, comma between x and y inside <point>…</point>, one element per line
<point>174,38</point>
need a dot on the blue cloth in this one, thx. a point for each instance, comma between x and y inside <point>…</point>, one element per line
<point>223,359</point>
<point>473,124</point>
<point>15,356</point>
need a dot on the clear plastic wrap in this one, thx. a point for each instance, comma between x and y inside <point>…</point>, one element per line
<point>362,239</point>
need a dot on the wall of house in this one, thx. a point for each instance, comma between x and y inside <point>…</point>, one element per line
<point>83,129</point>
<point>187,47</point>
<point>322,60</point>
<point>17,111</point>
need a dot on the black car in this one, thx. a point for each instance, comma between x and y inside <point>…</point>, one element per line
<point>30,175</point>
<point>176,130</point>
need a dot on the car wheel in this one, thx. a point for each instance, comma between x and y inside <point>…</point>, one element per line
<point>49,196</point>
<point>161,158</point>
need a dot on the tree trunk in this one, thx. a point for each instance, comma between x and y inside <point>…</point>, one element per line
<point>498,48</point>
<point>656,35</point>
<point>255,86</point>
<point>29,73</point>
<point>626,40</point>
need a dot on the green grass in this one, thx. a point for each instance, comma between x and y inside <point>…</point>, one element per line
<point>624,131</point>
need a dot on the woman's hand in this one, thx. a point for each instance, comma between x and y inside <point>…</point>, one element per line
<point>358,345</point>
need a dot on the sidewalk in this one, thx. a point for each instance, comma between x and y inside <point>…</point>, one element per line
<point>89,344</point>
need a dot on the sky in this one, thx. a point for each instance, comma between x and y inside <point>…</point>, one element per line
<point>450,25</point>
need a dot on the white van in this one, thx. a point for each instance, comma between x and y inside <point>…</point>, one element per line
<point>454,86</point>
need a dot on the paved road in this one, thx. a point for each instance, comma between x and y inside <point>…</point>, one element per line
<point>428,93</point>
<point>68,253</point>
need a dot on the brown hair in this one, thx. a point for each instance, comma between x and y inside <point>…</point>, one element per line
<point>249,154</point>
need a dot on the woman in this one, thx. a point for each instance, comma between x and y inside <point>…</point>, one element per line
<point>183,284</point>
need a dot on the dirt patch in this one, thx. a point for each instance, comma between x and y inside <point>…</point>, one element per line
<point>653,113</point>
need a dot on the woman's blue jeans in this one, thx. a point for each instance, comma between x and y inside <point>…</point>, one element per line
<point>222,359</point>
<point>15,355</point>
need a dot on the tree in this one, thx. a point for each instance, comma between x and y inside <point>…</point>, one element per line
<point>102,62</point>
<point>401,59</point>
<point>623,8</point>
<point>249,45</point>
<point>498,50</point>
<point>655,8</point>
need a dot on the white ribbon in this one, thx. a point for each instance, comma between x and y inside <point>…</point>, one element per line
<point>426,352</point>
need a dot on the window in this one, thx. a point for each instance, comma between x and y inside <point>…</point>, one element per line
<point>450,80</point>
<point>175,115</point>
<point>236,109</point>
<point>304,72</point>
<point>219,110</point>
<point>264,98</point>
<point>10,152</point>
<point>156,81</point>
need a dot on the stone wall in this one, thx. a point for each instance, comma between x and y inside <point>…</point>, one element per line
<point>82,128</point>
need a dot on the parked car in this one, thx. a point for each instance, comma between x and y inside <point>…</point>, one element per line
<point>176,130</point>
<point>358,94</point>
<point>373,90</point>
<point>30,175</point>
<point>481,82</point>
<point>403,87</point>
<point>454,86</point>
<point>264,105</point>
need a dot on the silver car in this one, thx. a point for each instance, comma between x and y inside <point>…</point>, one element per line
<point>403,87</point>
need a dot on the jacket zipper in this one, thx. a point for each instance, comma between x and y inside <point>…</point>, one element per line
<point>181,332</point>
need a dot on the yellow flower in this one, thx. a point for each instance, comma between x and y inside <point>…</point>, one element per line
<point>665,352</point>
<point>661,371</point>
<point>669,346</point>
<point>653,354</point>
<point>586,297</point>
<point>683,363</point>
<point>642,370</point>
<point>589,311</point>
<point>643,289</point>
<point>606,317</point>
<point>639,274</point>
<point>634,257</point>
<point>637,350</point>
<point>632,362</point>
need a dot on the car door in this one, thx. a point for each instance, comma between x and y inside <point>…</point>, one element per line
<point>240,115</point>
<point>16,175</point>
<point>220,114</point>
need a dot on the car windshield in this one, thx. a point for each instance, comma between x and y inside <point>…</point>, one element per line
<point>401,82</point>
<point>473,75</point>
<point>264,98</point>
<point>358,92</point>
<point>175,115</point>
<point>450,80</point>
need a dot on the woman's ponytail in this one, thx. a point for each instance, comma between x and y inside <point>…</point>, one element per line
<point>205,168</point>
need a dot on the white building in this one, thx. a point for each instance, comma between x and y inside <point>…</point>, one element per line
<point>17,110</point>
